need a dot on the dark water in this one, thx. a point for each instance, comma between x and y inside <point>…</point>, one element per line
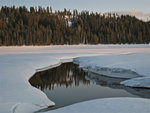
<point>68,84</point>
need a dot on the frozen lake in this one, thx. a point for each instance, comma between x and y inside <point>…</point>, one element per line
<point>19,64</point>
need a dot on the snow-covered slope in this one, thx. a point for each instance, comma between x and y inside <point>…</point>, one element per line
<point>18,64</point>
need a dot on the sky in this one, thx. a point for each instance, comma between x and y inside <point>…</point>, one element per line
<point>102,6</point>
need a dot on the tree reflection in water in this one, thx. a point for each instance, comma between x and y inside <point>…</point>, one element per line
<point>66,74</point>
<point>68,84</point>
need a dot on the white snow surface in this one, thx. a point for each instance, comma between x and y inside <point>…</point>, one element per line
<point>141,82</point>
<point>122,66</point>
<point>18,64</point>
<point>108,105</point>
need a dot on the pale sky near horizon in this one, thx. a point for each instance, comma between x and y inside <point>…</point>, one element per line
<point>90,5</point>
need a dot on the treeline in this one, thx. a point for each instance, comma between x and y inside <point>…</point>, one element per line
<point>42,26</point>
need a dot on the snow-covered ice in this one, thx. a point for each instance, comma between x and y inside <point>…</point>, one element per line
<point>109,105</point>
<point>141,82</point>
<point>18,64</point>
<point>121,66</point>
<point>132,66</point>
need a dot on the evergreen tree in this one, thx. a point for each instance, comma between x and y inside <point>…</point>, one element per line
<point>40,26</point>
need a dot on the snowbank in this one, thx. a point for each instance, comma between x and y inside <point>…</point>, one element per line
<point>141,82</point>
<point>109,105</point>
<point>135,67</point>
<point>120,66</point>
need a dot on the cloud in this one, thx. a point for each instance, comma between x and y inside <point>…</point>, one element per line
<point>137,14</point>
